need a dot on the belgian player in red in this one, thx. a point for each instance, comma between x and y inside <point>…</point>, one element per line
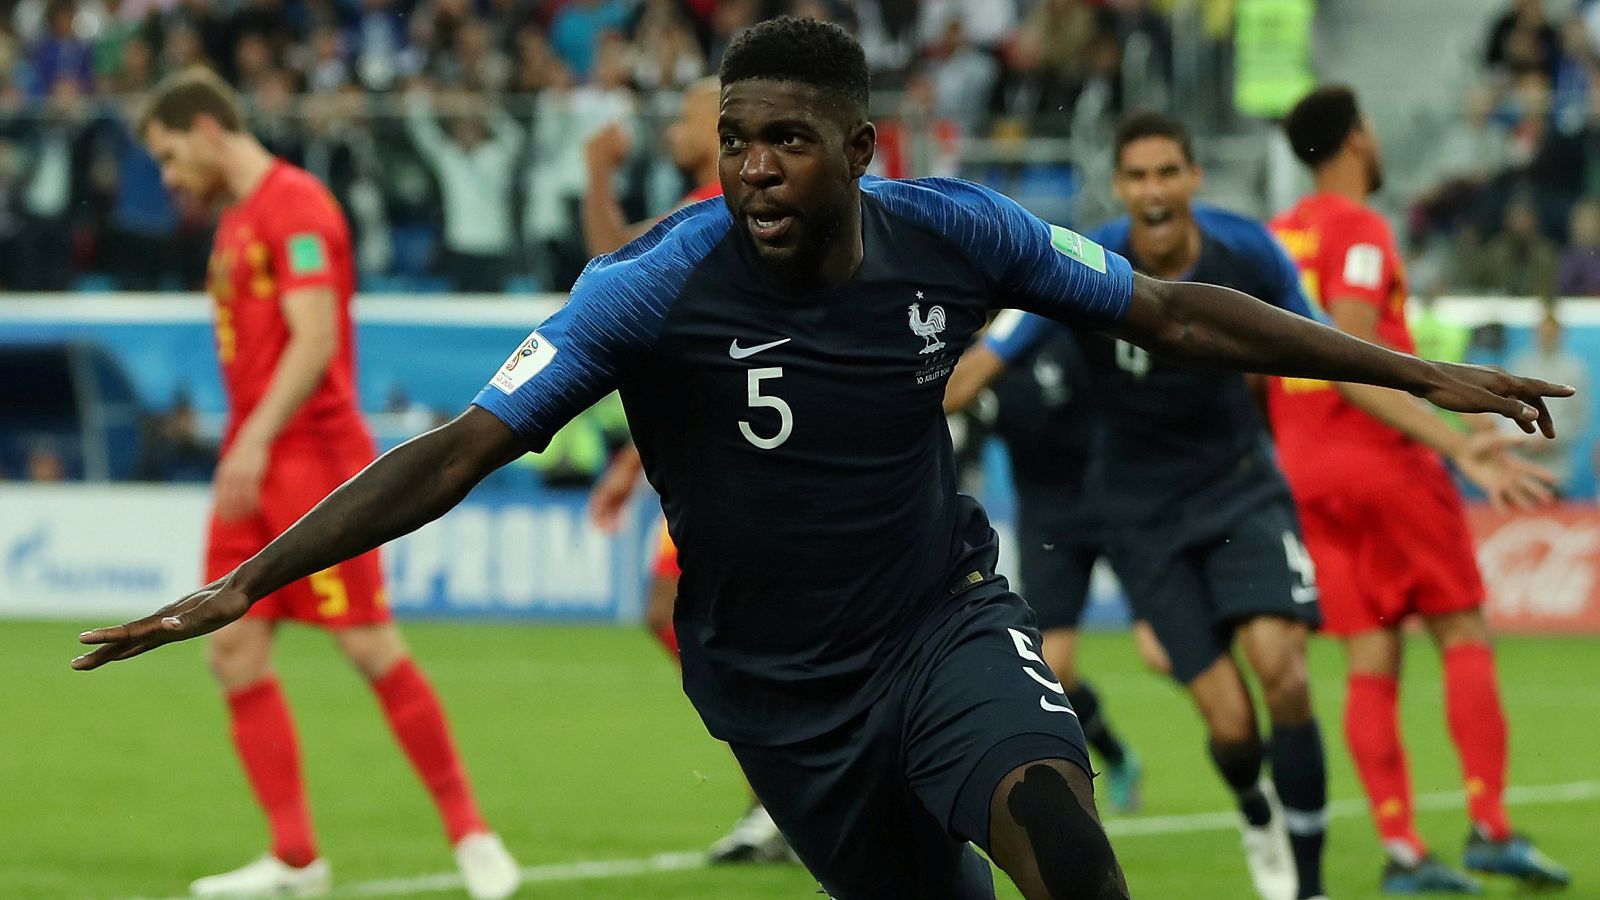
<point>281,276</point>
<point>1384,523</point>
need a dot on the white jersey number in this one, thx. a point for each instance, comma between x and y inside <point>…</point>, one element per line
<point>758,400</point>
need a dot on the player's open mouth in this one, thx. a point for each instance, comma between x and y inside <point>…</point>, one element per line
<point>769,227</point>
<point>1159,215</point>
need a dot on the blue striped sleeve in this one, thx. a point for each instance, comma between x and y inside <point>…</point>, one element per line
<point>1014,334</point>
<point>614,315</point>
<point>1029,263</point>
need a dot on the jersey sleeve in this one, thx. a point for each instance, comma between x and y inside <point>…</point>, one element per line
<point>1355,260</point>
<point>1028,263</point>
<point>1014,334</point>
<point>578,355</point>
<point>303,237</point>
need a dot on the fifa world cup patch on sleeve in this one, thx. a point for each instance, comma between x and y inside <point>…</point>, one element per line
<point>308,254</point>
<point>534,354</point>
<point>1075,246</point>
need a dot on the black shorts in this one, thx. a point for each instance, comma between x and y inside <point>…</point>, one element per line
<point>1196,579</point>
<point>1055,569</point>
<point>885,806</point>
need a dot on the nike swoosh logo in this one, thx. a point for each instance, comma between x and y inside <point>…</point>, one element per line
<point>1047,706</point>
<point>738,352</point>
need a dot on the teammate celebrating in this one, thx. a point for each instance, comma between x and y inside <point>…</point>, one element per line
<point>1384,523</point>
<point>1202,529</point>
<point>281,276</point>
<point>782,355</point>
<point>1043,412</point>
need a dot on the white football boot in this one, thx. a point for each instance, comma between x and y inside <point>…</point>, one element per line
<point>755,838</point>
<point>268,876</point>
<point>487,867</point>
<point>1267,851</point>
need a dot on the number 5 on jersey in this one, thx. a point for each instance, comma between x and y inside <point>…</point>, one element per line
<point>757,400</point>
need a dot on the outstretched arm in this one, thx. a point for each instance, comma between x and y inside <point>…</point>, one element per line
<point>406,488</point>
<point>1210,327</point>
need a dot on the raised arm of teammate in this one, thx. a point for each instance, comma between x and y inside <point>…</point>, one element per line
<point>406,488</point>
<point>1205,326</point>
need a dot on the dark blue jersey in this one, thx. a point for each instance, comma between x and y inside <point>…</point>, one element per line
<point>1044,416</point>
<point>1168,434</point>
<point>797,441</point>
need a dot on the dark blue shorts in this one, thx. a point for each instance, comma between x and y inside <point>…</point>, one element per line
<point>1055,570</point>
<point>886,806</point>
<point>1197,579</point>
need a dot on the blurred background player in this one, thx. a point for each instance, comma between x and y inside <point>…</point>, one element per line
<point>281,276</point>
<point>1043,412</point>
<point>1384,523</point>
<point>692,137</point>
<point>1202,530</point>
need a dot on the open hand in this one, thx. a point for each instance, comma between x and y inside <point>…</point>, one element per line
<point>1507,479</point>
<point>1486,389</point>
<point>239,475</point>
<point>202,612</point>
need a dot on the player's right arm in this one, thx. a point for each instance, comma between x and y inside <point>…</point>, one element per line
<point>556,373</point>
<point>1011,336</point>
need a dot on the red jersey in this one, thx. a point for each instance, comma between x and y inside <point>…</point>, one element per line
<point>287,235</point>
<point>703,192</point>
<point>1344,251</point>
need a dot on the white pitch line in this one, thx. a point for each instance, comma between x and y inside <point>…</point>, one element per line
<point>593,870</point>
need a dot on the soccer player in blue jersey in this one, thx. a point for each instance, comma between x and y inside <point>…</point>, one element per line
<point>1202,529</point>
<point>782,355</point>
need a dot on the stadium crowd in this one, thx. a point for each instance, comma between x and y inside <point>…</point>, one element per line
<point>452,130</point>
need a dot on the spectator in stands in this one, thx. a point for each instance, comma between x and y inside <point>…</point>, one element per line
<point>1046,63</point>
<point>45,465</point>
<point>1578,272</point>
<point>985,23</point>
<point>565,119</point>
<point>382,46</point>
<point>476,65</point>
<point>13,132</point>
<point>328,69</point>
<point>252,60</point>
<point>964,78</point>
<point>181,48</point>
<point>728,20</point>
<point>136,70</point>
<point>1522,40</point>
<point>274,118</point>
<point>1576,71</point>
<point>342,152</point>
<point>577,28</point>
<point>1550,360</point>
<point>1519,261</point>
<point>475,164</point>
<point>1472,152</point>
<point>61,55</point>
<point>45,244</point>
<point>667,56</point>
<point>139,248</point>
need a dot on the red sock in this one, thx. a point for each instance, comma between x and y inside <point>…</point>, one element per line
<point>668,636</point>
<point>263,734</point>
<point>418,723</point>
<point>1372,729</point>
<point>1478,727</point>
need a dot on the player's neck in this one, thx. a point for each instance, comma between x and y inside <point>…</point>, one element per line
<point>1172,262</point>
<point>246,165</point>
<point>1345,176</point>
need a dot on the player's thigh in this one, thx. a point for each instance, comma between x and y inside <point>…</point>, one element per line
<point>1167,590</point>
<point>1260,567</point>
<point>1055,572</point>
<point>982,703</point>
<point>373,649</point>
<point>239,654</point>
<point>1430,530</point>
<point>843,803</point>
<point>1046,834</point>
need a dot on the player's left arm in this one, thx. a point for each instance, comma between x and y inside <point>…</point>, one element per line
<point>1207,326</point>
<point>1013,335</point>
<point>309,313</point>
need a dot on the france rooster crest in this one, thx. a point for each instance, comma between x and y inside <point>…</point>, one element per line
<point>927,328</point>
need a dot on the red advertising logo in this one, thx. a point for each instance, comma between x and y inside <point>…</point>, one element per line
<point>1541,568</point>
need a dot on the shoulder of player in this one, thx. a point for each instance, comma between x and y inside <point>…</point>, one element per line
<point>1236,231</point>
<point>943,206</point>
<point>656,264</point>
<point>296,194</point>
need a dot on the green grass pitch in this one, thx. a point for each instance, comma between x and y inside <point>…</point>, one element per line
<point>120,783</point>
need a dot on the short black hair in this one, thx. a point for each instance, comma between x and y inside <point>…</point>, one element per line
<point>820,54</point>
<point>1319,124</point>
<point>1145,124</point>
